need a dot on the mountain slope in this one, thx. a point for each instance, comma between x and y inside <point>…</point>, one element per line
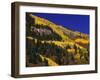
<point>53,26</point>
<point>54,43</point>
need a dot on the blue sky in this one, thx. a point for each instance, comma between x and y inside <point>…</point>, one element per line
<point>74,22</point>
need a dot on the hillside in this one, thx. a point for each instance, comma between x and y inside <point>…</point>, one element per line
<point>48,44</point>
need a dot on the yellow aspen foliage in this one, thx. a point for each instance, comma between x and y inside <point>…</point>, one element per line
<point>83,41</point>
<point>71,51</point>
<point>50,61</point>
<point>77,56</point>
<point>41,57</point>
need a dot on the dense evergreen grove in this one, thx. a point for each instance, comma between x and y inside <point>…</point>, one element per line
<point>57,54</point>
